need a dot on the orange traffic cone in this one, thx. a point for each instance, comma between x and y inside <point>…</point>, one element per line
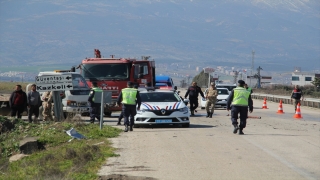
<point>280,110</point>
<point>264,106</point>
<point>297,115</point>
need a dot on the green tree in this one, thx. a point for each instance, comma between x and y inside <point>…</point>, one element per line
<point>316,82</point>
<point>201,79</point>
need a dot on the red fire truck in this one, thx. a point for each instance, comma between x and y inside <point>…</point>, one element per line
<point>112,74</point>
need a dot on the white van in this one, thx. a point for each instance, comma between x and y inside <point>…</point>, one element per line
<point>73,101</point>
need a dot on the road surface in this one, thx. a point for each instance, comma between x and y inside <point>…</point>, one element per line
<point>277,146</point>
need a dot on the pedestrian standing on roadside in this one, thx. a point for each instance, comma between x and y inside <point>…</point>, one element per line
<point>296,96</point>
<point>193,92</point>
<point>130,98</point>
<point>34,102</point>
<point>95,107</point>
<point>47,106</point>
<point>248,88</point>
<point>211,96</point>
<point>238,102</point>
<point>18,102</point>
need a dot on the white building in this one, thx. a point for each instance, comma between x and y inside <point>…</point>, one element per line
<point>303,78</point>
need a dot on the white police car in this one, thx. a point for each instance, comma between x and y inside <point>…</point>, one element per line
<point>160,107</point>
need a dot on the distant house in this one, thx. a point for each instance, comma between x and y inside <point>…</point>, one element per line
<point>303,78</point>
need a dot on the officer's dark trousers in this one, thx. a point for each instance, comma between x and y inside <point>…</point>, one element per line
<point>243,110</point>
<point>129,111</point>
<point>193,103</point>
<point>95,111</point>
<point>120,117</point>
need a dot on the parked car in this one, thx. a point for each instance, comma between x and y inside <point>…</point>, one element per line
<point>223,94</point>
<point>162,107</point>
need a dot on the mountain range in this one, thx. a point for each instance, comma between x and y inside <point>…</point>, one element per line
<point>283,33</point>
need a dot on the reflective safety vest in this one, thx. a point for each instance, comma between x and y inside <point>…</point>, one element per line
<point>249,89</point>
<point>97,95</point>
<point>129,96</point>
<point>240,96</point>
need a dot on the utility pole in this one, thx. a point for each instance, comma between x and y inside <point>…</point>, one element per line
<point>252,65</point>
<point>259,77</point>
<point>235,76</point>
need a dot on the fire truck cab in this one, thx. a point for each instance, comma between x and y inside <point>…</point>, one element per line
<point>112,74</point>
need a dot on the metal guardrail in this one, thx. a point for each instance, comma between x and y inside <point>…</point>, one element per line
<point>310,102</point>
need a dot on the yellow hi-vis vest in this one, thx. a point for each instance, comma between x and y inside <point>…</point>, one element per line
<point>97,95</point>
<point>129,96</point>
<point>240,97</point>
<point>249,89</point>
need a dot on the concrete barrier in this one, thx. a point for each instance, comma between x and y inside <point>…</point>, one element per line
<point>310,102</point>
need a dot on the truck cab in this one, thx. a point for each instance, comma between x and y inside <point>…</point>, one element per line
<point>112,74</point>
<point>164,82</point>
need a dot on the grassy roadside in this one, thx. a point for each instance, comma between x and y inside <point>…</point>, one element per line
<point>60,159</point>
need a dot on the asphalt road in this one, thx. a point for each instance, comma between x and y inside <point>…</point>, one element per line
<point>277,146</point>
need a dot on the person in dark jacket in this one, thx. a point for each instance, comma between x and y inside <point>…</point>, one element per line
<point>130,98</point>
<point>18,102</point>
<point>193,92</point>
<point>238,102</point>
<point>34,102</point>
<point>296,96</point>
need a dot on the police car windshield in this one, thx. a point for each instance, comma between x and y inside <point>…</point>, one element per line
<point>105,71</point>
<point>159,97</point>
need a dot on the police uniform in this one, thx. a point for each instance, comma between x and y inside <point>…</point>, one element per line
<point>193,92</point>
<point>94,106</point>
<point>250,90</point>
<point>129,97</point>
<point>211,96</point>
<point>238,101</point>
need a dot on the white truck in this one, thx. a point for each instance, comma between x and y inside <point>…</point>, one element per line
<point>74,100</point>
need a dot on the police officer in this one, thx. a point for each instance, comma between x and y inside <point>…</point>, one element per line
<point>95,106</point>
<point>238,101</point>
<point>193,92</point>
<point>136,86</point>
<point>248,88</point>
<point>129,97</point>
<point>211,96</point>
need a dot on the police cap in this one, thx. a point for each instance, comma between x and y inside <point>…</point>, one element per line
<point>241,82</point>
